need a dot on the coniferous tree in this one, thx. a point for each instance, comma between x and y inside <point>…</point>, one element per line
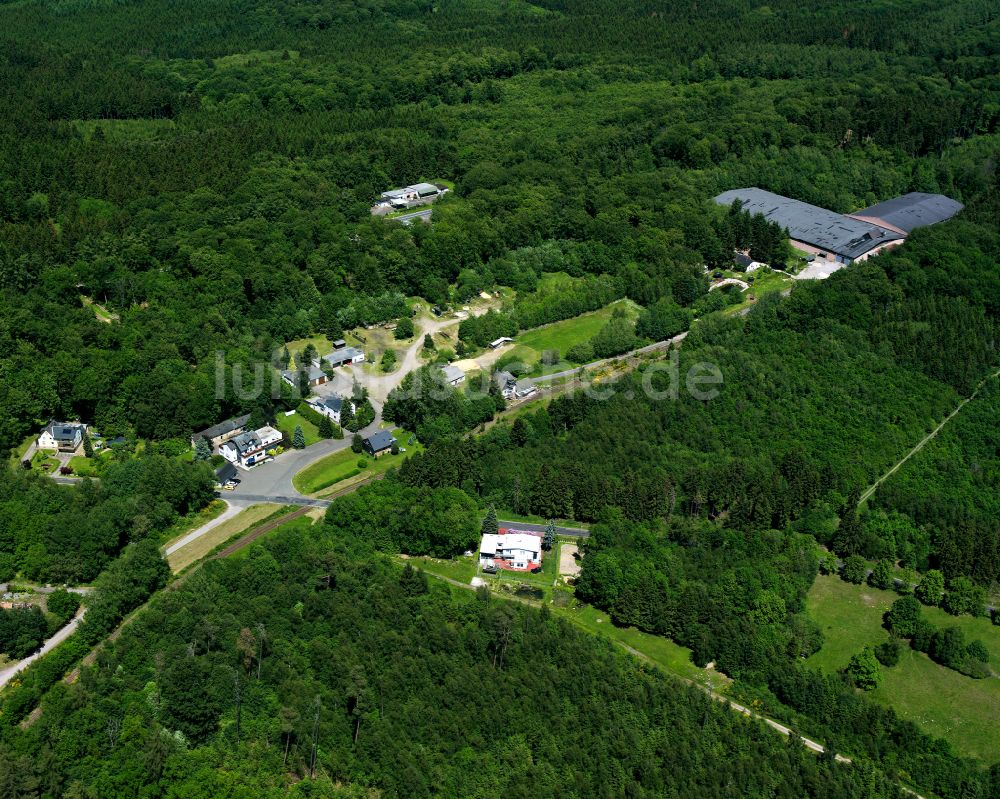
<point>298,437</point>
<point>202,450</point>
<point>490,525</point>
<point>325,427</point>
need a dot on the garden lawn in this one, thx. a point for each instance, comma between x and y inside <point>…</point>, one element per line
<point>939,700</point>
<point>562,335</point>
<point>286,424</point>
<point>332,471</point>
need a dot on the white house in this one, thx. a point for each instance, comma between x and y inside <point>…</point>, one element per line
<point>453,375</point>
<point>511,549</point>
<point>62,436</point>
<point>251,447</point>
<point>331,406</point>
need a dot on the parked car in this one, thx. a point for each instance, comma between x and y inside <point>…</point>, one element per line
<point>536,570</point>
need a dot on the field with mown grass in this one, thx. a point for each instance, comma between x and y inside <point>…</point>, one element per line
<point>939,700</point>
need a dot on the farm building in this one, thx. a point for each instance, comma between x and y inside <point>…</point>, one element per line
<point>223,431</point>
<point>344,355</point>
<point>905,214</point>
<point>316,376</point>
<point>452,375</point>
<point>841,237</point>
<point>411,196</point>
<point>511,550</point>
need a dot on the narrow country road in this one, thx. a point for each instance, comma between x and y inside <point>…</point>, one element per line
<point>659,345</point>
<point>920,444</point>
<point>8,672</point>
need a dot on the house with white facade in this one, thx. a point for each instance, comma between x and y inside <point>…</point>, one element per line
<point>332,406</point>
<point>62,436</point>
<point>250,448</point>
<point>512,550</point>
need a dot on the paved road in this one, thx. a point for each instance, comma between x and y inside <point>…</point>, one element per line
<point>232,508</point>
<point>61,635</point>
<point>409,219</point>
<point>574,532</point>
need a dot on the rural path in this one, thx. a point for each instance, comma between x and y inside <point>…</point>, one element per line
<point>868,492</point>
<point>64,632</point>
<point>232,509</point>
<point>656,346</point>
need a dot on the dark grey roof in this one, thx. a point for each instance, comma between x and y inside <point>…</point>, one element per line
<point>315,373</point>
<point>64,431</point>
<point>742,259</point>
<point>222,428</point>
<point>339,343</point>
<point>913,210</point>
<point>334,403</point>
<point>245,442</point>
<point>342,355</point>
<point>811,224</point>
<point>379,441</point>
<point>225,472</point>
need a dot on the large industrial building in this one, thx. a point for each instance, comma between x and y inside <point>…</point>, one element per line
<point>845,238</point>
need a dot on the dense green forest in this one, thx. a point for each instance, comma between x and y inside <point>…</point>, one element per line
<point>204,171</point>
<point>187,178</point>
<point>254,675</point>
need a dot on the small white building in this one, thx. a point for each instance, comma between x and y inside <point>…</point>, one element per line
<point>269,437</point>
<point>500,342</point>
<point>453,375</point>
<point>511,549</point>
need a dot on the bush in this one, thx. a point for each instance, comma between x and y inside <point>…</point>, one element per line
<point>362,463</point>
<point>977,651</point>
<point>855,569</point>
<point>62,605</point>
<point>923,635</point>
<point>888,653</point>
<point>580,353</point>
<point>404,329</point>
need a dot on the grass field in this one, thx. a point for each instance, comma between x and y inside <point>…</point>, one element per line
<point>335,471</point>
<point>286,424</point>
<point>560,336</point>
<point>939,700</point>
<point>219,534</point>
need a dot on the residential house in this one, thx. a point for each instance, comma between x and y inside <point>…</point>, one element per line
<point>250,448</point>
<point>223,431</point>
<point>331,406</point>
<point>379,444</point>
<point>316,376</point>
<point>514,550</point>
<point>513,389</point>
<point>62,436</point>
<point>453,375</point>
<point>343,355</point>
